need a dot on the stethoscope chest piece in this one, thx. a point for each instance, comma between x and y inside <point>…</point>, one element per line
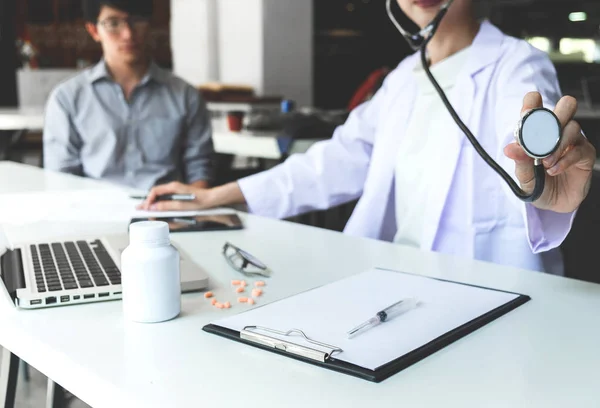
<point>539,133</point>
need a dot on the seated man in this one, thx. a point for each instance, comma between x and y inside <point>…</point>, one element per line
<point>126,120</point>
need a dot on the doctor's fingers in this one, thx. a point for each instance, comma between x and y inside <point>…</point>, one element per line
<point>571,137</point>
<point>174,187</point>
<point>579,153</point>
<point>524,169</point>
<point>531,101</point>
<point>174,206</point>
<point>565,110</point>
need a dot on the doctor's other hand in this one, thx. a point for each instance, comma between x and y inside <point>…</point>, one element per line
<point>227,194</point>
<point>568,170</point>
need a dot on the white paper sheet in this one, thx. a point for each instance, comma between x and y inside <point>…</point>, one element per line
<point>80,206</point>
<point>327,313</point>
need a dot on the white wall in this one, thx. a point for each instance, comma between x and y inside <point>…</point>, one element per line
<point>35,85</point>
<point>288,49</point>
<point>240,34</point>
<point>194,40</point>
<point>267,44</point>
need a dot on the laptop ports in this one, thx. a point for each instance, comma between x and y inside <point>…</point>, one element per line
<point>89,296</point>
<point>51,300</point>
<point>65,298</point>
<point>103,294</point>
<point>35,302</point>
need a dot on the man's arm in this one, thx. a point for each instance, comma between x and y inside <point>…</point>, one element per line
<point>198,154</point>
<point>62,143</point>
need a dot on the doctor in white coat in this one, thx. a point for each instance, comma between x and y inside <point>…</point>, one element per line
<point>419,180</point>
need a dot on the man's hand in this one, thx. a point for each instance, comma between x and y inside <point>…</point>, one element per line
<point>568,170</point>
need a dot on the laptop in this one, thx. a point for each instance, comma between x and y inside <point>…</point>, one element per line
<point>40,275</point>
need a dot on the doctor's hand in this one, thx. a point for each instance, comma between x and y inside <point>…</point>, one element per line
<point>568,170</point>
<point>227,194</point>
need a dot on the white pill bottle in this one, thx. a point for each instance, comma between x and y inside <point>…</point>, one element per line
<point>150,274</point>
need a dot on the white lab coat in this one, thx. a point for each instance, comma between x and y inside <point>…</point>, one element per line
<point>475,214</point>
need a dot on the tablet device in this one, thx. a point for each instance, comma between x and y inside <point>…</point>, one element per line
<point>197,223</point>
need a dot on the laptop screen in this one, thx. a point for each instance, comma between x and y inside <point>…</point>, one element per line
<point>11,271</point>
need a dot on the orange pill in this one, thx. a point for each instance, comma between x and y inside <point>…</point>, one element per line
<point>235,282</point>
<point>219,305</point>
<point>250,301</point>
<point>259,283</point>
<point>227,305</point>
<point>243,283</point>
<point>256,292</point>
<point>213,302</point>
<point>208,295</point>
<point>240,289</point>
<point>242,300</point>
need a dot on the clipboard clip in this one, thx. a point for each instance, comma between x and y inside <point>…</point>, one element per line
<point>250,333</point>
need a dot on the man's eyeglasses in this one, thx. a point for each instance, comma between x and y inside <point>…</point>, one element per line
<point>243,262</point>
<point>117,25</point>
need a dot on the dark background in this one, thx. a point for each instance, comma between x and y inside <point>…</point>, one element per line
<point>342,62</point>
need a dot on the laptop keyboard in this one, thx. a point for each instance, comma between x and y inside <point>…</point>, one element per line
<point>73,265</point>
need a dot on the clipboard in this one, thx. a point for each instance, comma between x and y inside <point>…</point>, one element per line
<point>295,343</point>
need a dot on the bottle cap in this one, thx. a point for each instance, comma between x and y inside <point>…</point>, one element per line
<point>287,106</point>
<point>149,232</point>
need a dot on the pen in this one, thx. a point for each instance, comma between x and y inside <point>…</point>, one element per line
<point>185,221</point>
<point>383,316</point>
<point>169,197</point>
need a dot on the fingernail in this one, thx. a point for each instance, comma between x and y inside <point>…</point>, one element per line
<point>549,161</point>
<point>553,170</point>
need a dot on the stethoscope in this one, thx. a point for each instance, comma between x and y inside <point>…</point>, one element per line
<point>539,131</point>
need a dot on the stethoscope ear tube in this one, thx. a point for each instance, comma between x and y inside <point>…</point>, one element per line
<point>416,41</point>
<point>540,141</point>
<point>539,170</point>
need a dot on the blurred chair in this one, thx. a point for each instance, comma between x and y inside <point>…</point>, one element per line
<point>20,145</point>
<point>368,88</point>
<point>8,140</point>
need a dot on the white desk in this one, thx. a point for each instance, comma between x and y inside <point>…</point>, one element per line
<point>31,118</point>
<point>544,354</point>
<point>241,144</point>
<point>263,147</point>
